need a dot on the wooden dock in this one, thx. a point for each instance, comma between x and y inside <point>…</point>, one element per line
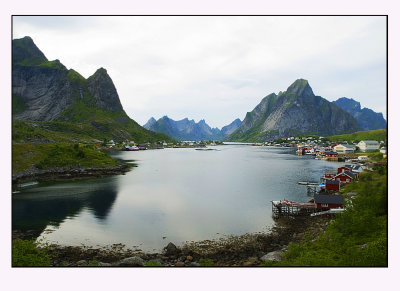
<point>309,183</point>
<point>291,208</point>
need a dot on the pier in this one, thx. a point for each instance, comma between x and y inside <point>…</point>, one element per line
<point>291,208</point>
<point>309,183</point>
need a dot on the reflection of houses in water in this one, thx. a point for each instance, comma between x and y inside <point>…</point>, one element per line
<point>35,211</point>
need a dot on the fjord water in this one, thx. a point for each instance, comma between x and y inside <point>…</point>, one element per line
<point>172,195</point>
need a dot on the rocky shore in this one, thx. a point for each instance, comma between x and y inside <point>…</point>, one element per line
<point>67,174</point>
<point>232,251</point>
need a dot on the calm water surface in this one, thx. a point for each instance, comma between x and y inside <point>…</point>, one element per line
<point>173,195</point>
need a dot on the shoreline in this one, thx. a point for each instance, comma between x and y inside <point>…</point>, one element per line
<point>244,250</point>
<point>74,173</point>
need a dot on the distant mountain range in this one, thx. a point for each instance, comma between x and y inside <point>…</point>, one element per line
<point>186,129</point>
<point>44,90</point>
<point>294,112</point>
<point>366,118</point>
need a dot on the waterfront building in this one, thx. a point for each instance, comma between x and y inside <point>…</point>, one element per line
<point>344,148</point>
<point>328,201</point>
<point>368,145</point>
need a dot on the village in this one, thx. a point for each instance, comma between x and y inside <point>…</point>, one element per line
<point>326,197</point>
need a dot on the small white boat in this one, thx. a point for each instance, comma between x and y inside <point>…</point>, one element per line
<point>27,184</point>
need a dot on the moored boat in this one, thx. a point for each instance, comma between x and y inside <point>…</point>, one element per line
<point>131,148</point>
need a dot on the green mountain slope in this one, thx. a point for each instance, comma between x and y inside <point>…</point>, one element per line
<point>378,134</point>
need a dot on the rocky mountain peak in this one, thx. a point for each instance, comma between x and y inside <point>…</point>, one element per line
<point>102,88</point>
<point>149,123</point>
<point>349,104</point>
<point>293,112</point>
<point>367,118</point>
<point>25,50</point>
<point>101,71</point>
<point>300,87</point>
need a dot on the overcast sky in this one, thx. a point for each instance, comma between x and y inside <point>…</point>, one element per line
<point>218,68</point>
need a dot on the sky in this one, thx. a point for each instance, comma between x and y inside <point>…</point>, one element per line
<point>218,68</point>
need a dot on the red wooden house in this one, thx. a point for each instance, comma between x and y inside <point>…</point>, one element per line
<point>330,174</point>
<point>327,201</point>
<point>332,185</point>
<point>331,154</point>
<point>345,177</point>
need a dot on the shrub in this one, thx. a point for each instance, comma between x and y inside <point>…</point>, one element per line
<point>25,253</point>
<point>206,262</point>
<point>152,264</point>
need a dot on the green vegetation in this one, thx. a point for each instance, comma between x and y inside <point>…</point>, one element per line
<point>378,135</point>
<point>32,62</point>
<point>18,105</point>
<point>73,76</point>
<point>28,62</point>
<point>71,132</point>
<point>25,253</point>
<point>206,262</point>
<point>152,264</point>
<point>52,65</point>
<point>93,263</point>
<point>358,237</point>
<point>50,156</point>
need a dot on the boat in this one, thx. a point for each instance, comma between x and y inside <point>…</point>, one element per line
<point>131,148</point>
<point>27,184</point>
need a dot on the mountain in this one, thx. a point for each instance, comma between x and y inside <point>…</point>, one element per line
<point>293,112</point>
<point>228,129</point>
<point>45,90</point>
<point>366,118</point>
<point>186,129</point>
<point>150,123</point>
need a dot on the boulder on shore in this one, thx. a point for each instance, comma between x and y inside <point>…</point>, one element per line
<point>131,262</point>
<point>275,256</point>
<point>171,250</point>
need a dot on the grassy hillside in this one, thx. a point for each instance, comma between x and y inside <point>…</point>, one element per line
<point>68,132</point>
<point>50,156</point>
<point>358,237</point>
<point>378,135</point>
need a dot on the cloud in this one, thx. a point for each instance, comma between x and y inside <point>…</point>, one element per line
<point>218,68</point>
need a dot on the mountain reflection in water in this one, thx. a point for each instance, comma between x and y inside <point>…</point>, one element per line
<point>51,204</point>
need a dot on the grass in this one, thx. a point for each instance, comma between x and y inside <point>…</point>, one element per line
<point>205,262</point>
<point>51,156</point>
<point>152,264</point>
<point>85,132</point>
<point>378,135</point>
<point>358,237</point>
<point>375,155</point>
<point>25,253</point>
<point>52,65</point>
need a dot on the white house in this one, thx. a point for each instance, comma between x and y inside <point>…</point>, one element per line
<point>363,158</point>
<point>344,148</point>
<point>368,145</point>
